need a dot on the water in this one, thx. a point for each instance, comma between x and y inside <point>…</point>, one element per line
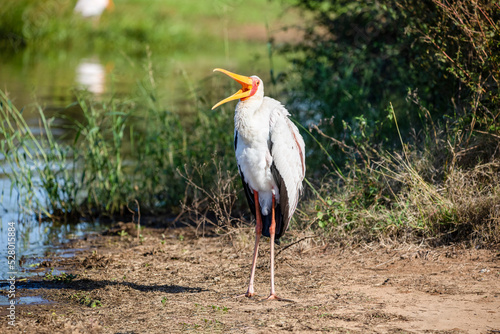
<point>52,86</point>
<point>33,239</point>
<point>24,300</point>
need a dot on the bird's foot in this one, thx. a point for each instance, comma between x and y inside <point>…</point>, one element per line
<point>273,296</point>
<point>248,294</point>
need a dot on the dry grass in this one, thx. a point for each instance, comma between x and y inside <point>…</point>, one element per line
<point>475,194</point>
<point>210,204</point>
<point>436,195</point>
<point>169,284</point>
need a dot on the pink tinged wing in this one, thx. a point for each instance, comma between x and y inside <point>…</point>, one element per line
<point>288,152</point>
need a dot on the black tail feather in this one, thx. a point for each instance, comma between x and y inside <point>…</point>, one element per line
<point>267,219</point>
<point>266,223</point>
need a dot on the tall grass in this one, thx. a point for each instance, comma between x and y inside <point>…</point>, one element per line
<point>116,153</point>
<point>42,170</point>
<point>391,195</point>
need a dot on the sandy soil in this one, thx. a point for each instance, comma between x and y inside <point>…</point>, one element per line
<point>175,281</point>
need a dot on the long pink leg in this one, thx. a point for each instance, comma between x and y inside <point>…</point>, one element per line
<point>272,232</point>
<point>258,232</point>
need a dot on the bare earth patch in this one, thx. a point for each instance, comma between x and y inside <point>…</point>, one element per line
<point>177,282</point>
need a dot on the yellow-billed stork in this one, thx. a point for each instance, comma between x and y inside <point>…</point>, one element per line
<point>93,8</point>
<point>270,153</point>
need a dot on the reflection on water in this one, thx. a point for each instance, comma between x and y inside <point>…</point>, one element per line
<point>91,75</point>
<point>34,239</point>
<point>50,82</point>
<point>51,85</point>
<point>26,300</point>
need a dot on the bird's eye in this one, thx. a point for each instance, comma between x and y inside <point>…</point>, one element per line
<point>258,83</point>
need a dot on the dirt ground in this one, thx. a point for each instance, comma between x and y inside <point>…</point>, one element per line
<point>174,281</point>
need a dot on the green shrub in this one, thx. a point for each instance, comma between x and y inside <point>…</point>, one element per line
<point>403,97</point>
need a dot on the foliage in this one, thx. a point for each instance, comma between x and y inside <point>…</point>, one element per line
<point>86,299</point>
<point>466,41</point>
<point>62,278</point>
<point>371,77</point>
<point>393,197</point>
<point>130,27</point>
<point>401,99</point>
<point>359,56</point>
<point>42,170</point>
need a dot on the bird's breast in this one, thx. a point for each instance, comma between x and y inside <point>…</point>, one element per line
<point>252,151</point>
<point>254,161</point>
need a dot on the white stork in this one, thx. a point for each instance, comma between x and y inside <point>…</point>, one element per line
<point>271,161</point>
<point>93,8</point>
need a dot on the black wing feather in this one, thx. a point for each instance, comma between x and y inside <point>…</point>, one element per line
<point>248,193</point>
<point>280,208</point>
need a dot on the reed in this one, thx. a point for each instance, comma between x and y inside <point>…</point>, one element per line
<point>116,153</point>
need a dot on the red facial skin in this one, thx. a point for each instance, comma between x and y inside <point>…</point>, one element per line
<point>255,86</point>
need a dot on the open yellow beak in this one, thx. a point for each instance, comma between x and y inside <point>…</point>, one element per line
<point>246,87</point>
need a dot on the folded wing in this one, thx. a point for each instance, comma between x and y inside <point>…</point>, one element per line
<point>288,152</point>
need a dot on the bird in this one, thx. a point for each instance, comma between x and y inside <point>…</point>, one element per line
<point>270,154</point>
<point>93,8</point>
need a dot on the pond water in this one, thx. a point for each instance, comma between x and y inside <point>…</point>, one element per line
<point>33,239</point>
<point>52,85</point>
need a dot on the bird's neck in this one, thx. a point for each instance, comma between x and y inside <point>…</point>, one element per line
<point>249,120</point>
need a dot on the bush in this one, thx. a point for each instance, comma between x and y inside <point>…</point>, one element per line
<point>374,76</point>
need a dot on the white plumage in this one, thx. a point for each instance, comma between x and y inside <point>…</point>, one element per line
<point>90,8</point>
<point>270,153</point>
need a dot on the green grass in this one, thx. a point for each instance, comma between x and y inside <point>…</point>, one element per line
<point>403,124</point>
<point>86,299</point>
<point>62,278</point>
<point>183,40</point>
<point>34,162</point>
<point>410,196</point>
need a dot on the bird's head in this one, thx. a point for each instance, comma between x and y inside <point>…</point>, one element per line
<point>250,87</point>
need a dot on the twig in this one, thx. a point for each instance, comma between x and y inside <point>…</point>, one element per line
<point>428,38</point>
<point>336,141</point>
<point>488,133</point>
<point>293,243</point>
<point>138,217</point>
<point>172,223</point>
<point>381,264</point>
